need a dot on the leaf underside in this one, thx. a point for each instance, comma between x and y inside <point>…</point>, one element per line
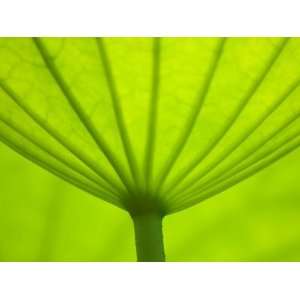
<point>151,123</point>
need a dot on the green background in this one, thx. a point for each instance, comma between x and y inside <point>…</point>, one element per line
<point>149,125</point>
<point>42,218</point>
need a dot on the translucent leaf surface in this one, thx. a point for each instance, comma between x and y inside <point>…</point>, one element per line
<point>151,123</point>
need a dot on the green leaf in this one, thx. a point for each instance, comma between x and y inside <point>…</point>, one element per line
<point>150,123</point>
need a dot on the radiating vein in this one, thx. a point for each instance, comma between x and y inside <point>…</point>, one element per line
<point>177,150</point>
<point>234,164</point>
<point>191,166</point>
<point>116,103</point>
<point>107,182</point>
<point>248,162</point>
<point>280,153</point>
<point>242,167</point>
<point>70,179</point>
<point>152,119</point>
<point>56,156</point>
<point>79,111</point>
<point>210,167</point>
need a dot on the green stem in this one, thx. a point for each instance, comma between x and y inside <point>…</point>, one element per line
<point>149,237</point>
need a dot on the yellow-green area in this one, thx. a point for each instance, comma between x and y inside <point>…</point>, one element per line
<point>150,126</point>
<point>43,218</point>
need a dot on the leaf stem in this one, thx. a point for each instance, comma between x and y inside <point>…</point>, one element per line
<point>149,237</point>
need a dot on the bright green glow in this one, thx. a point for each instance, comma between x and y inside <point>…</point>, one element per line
<point>149,124</point>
